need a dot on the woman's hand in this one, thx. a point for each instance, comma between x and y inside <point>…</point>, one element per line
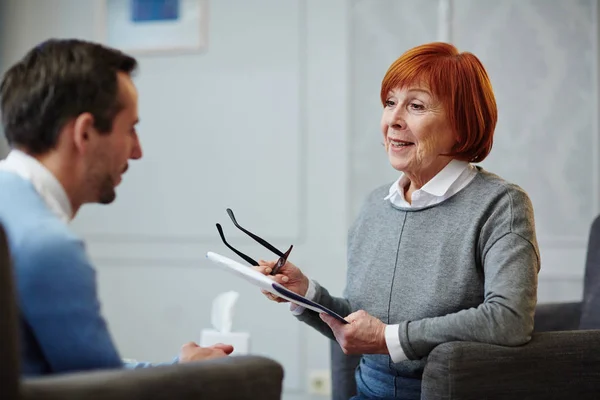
<point>364,334</point>
<point>290,276</point>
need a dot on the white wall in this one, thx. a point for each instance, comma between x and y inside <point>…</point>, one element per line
<point>278,120</point>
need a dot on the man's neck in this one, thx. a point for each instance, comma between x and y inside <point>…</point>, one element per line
<point>63,171</point>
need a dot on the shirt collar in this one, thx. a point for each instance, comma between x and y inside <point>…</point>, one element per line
<point>44,182</point>
<point>438,185</point>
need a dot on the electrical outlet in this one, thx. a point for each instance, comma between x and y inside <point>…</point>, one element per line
<point>319,382</point>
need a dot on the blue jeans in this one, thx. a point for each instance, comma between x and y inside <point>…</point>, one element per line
<point>376,381</point>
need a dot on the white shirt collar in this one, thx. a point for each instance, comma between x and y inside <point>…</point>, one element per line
<point>442,186</point>
<point>44,182</point>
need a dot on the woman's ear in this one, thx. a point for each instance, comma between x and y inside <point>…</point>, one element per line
<point>82,131</point>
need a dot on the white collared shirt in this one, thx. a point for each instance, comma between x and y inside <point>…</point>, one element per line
<point>449,181</point>
<point>44,182</point>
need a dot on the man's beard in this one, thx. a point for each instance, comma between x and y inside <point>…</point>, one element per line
<point>107,192</point>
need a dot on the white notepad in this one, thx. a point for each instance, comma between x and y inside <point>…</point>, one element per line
<point>260,280</point>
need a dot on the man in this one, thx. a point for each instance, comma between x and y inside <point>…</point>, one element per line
<point>69,111</point>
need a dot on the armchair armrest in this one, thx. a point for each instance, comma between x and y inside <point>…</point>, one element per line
<point>553,365</point>
<point>557,317</point>
<point>240,377</point>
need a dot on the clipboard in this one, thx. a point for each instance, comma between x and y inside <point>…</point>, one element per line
<point>260,280</point>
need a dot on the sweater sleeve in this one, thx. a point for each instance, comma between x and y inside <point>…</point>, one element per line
<point>504,318</point>
<point>337,304</point>
<point>59,301</point>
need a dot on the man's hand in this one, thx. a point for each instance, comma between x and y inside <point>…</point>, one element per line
<point>364,334</point>
<point>192,352</point>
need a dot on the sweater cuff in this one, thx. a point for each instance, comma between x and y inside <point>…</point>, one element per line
<point>405,342</point>
<point>310,295</point>
<point>392,340</point>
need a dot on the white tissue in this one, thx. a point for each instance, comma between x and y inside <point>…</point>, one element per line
<point>222,311</point>
<point>222,320</point>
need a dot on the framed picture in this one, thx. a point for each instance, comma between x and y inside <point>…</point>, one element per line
<point>153,26</point>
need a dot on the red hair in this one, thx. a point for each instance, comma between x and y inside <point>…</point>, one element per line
<point>460,82</point>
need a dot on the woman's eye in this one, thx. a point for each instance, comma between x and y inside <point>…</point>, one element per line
<point>389,103</point>
<point>416,106</point>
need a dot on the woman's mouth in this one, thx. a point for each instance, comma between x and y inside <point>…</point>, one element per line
<point>397,144</point>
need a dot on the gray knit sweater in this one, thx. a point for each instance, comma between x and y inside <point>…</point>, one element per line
<point>464,269</point>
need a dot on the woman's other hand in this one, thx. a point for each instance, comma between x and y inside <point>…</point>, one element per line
<point>364,334</point>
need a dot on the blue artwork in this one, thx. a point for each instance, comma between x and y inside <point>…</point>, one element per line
<point>154,10</point>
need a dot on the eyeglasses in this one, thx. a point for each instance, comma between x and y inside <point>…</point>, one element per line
<point>282,256</point>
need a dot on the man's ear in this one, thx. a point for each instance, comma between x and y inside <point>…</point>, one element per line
<point>83,129</point>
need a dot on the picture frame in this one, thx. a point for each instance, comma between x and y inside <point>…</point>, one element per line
<point>153,26</point>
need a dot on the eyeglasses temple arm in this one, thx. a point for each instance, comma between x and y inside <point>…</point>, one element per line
<point>253,236</point>
<point>239,253</point>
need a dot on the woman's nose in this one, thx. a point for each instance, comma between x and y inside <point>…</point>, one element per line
<point>395,122</point>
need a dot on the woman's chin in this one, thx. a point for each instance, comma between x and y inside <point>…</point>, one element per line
<point>398,163</point>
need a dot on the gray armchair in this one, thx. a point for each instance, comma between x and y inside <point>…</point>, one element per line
<point>562,360</point>
<point>245,377</point>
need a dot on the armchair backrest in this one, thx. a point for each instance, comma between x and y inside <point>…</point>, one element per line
<point>9,354</point>
<point>590,310</point>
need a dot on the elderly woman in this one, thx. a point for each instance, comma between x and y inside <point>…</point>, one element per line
<point>448,251</point>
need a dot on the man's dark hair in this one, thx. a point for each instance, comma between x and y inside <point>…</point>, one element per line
<point>54,83</point>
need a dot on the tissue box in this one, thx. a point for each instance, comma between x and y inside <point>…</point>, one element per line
<point>239,340</point>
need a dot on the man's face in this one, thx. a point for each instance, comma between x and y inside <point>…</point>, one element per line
<point>109,157</point>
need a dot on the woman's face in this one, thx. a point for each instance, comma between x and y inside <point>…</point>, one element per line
<point>416,132</point>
